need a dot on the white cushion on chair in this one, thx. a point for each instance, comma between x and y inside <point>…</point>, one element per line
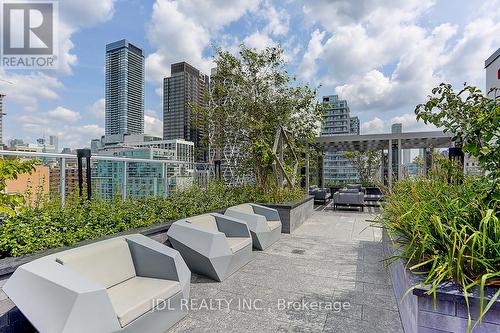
<point>237,243</point>
<point>136,296</point>
<point>245,208</point>
<point>205,221</point>
<point>106,263</point>
<point>274,224</point>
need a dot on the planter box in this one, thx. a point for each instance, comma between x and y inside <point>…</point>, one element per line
<point>419,313</point>
<point>293,216</point>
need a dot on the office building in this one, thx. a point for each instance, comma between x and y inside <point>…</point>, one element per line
<point>41,146</point>
<point>68,150</point>
<point>186,85</point>
<point>124,107</point>
<point>397,128</point>
<point>54,141</point>
<point>354,125</point>
<point>144,178</point>
<point>70,178</point>
<point>13,143</point>
<point>492,66</point>
<point>337,121</point>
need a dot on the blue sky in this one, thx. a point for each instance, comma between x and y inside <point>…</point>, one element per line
<point>383,56</point>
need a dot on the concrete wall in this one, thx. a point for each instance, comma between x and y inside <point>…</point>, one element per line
<point>293,216</point>
<point>419,313</point>
<point>408,308</point>
<point>451,316</point>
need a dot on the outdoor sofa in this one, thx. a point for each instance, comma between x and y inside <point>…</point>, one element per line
<point>264,223</point>
<point>125,284</point>
<point>358,187</point>
<point>214,245</point>
<point>374,194</point>
<point>320,194</point>
<point>349,197</point>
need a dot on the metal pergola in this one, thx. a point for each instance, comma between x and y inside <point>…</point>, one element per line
<point>386,141</point>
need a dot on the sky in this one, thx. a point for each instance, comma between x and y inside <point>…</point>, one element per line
<point>383,56</point>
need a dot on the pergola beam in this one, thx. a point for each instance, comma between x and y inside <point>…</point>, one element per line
<point>379,142</point>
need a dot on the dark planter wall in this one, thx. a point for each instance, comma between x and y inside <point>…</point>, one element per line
<point>419,313</point>
<point>293,216</point>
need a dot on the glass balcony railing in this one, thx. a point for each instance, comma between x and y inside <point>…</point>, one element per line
<point>57,175</point>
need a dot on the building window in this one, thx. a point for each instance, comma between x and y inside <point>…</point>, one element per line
<point>498,74</point>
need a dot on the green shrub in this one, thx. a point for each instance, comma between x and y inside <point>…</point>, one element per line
<point>10,168</point>
<point>446,231</point>
<point>51,225</point>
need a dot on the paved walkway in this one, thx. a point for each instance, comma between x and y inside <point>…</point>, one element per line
<point>326,277</point>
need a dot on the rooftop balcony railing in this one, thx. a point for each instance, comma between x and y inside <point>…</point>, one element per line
<point>115,176</point>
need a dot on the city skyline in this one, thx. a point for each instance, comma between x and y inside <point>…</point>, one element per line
<point>382,66</point>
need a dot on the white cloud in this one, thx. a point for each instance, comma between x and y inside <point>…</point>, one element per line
<point>382,62</point>
<point>182,30</point>
<point>371,91</point>
<point>26,89</point>
<point>376,125</point>
<point>70,134</point>
<point>97,109</point>
<point>465,62</point>
<point>62,114</point>
<point>278,20</point>
<point>410,123</point>
<point>334,13</point>
<point>214,15</point>
<point>164,33</point>
<point>258,40</point>
<point>153,125</point>
<point>308,65</point>
<point>74,16</point>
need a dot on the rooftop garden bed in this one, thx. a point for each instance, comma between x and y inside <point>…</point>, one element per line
<point>48,224</point>
<point>446,225</point>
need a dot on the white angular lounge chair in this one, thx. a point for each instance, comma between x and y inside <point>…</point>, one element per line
<point>264,223</point>
<point>125,284</point>
<point>212,244</point>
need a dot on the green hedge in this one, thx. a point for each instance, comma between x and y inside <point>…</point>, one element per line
<point>50,225</point>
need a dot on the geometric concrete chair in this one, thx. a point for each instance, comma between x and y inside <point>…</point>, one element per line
<point>125,284</point>
<point>212,244</point>
<point>264,223</point>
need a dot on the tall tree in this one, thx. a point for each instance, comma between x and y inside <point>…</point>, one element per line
<point>366,163</point>
<point>251,97</point>
<point>473,119</point>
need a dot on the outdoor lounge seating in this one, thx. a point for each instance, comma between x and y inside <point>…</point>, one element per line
<point>125,284</point>
<point>358,187</point>
<point>374,194</point>
<point>264,223</point>
<point>349,197</point>
<point>320,194</point>
<point>214,245</point>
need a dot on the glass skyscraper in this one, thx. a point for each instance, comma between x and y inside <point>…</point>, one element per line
<point>338,121</point>
<point>185,85</point>
<point>124,89</point>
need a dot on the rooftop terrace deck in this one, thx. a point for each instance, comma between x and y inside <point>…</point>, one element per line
<point>332,259</point>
